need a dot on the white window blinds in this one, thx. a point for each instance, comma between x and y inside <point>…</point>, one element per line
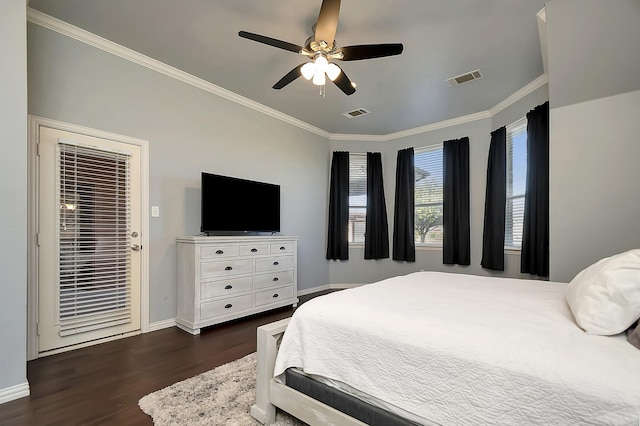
<point>429,188</point>
<point>516,182</point>
<point>94,246</point>
<point>357,197</point>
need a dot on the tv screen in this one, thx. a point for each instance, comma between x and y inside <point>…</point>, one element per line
<point>238,205</point>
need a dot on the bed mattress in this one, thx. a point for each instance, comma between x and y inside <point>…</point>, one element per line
<point>461,349</point>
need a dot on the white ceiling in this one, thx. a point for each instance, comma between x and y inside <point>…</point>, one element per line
<point>442,39</point>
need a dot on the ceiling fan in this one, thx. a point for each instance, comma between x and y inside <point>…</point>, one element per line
<point>321,49</point>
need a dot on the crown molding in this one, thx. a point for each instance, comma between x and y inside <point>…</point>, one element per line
<point>415,131</point>
<point>358,137</point>
<point>66,29</point>
<point>440,125</point>
<point>529,88</point>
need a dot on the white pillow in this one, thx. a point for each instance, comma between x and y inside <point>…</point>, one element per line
<point>605,297</point>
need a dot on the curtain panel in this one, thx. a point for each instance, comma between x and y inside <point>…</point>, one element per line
<point>495,203</point>
<point>376,235</point>
<point>404,246</point>
<point>534,257</point>
<point>338,227</point>
<point>456,245</point>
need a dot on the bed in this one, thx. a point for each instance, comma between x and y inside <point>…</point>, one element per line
<point>449,349</point>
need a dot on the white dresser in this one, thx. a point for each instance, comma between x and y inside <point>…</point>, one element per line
<point>222,278</point>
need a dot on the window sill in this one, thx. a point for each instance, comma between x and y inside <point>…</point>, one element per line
<point>512,251</point>
<point>426,247</point>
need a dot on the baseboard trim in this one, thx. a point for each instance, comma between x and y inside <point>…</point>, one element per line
<point>14,392</point>
<point>161,325</point>
<point>325,287</point>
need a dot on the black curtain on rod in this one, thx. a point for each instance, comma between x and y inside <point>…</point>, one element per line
<point>338,228</point>
<point>456,245</point>
<point>534,257</point>
<point>404,246</point>
<point>495,202</point>
<point>376,235</point>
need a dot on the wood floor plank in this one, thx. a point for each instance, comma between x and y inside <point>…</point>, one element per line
<point>101,384</point>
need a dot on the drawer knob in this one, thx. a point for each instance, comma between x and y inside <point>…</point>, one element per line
<point>228,268</point>
<point>219,252</point>
<point>276,263</point>
<point>253,250</point>
<point>283,248</point>
<point>228,287</point>
<point>275,295</point>
<point>228,305</point>
<point>275,278</point>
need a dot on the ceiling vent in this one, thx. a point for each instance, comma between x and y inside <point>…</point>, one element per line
<point>464,78</point>
<point>355,113</point>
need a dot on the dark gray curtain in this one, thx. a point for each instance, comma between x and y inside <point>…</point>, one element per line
<point>456,245</point>
<point>534,258</point>
<point>495,202</point>
<point>404,246</point>
<point>338,229</point>
<point>376,235</point>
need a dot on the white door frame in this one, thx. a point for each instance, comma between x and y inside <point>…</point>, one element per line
<point>32,253</point>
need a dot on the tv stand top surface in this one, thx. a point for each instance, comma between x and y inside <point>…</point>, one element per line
<point>234,238</point>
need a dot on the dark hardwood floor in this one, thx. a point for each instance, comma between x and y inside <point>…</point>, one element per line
<point>102,384</point>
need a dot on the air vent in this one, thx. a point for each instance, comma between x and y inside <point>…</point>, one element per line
<point>355,113</point>
<point>464,78</point>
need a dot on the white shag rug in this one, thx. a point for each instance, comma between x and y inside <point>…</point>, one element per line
<point>222,396</point>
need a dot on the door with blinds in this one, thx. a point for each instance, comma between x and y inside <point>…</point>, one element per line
<point>89,219</point>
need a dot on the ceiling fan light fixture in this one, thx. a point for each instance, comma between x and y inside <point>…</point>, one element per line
<point>308,70</point>
<point>319,78</point>
<point>321,63</point>
<point>333,71</point>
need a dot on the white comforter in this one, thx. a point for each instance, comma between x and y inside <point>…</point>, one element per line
<point>463,349</point>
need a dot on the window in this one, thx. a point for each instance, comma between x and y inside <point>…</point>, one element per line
<point>357,197</point>
<point>516,182</point>
<point>429,186</point>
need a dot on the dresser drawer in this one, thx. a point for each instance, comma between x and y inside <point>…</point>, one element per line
<point>274,278</point>
<point>225,268</point>
<point>250,250</point>
<point>282,247</point>
<point>225,287</point>
<point>274,263</point>
<point>208,252</point>
<point>274,295</point>
<point>226,306</point>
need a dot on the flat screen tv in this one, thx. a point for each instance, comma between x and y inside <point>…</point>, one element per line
<point>232,205</point>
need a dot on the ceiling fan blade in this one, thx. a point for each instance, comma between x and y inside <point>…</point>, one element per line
<point>327,22</point>
<point>271,41</point>
<point>343,82</point>
<point>370,51</point>
<point>291,75</point>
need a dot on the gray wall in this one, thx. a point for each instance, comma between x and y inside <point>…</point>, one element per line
<point>13,192</point>
<point>359,270</point>
<point>594,174</point>
<point>190,131</point>
<point>594,149</point>
<point>593,49</point>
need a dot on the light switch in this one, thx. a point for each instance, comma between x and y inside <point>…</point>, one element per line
<point>155,211</point>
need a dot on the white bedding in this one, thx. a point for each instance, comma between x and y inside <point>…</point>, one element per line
<point>463,349</point>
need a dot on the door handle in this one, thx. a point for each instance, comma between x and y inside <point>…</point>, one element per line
<point>135,247</point>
